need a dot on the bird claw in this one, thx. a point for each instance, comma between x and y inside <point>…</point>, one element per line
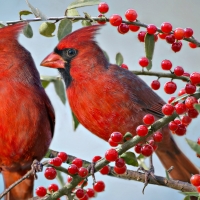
<point>91,170</point>
<point>36,167</point>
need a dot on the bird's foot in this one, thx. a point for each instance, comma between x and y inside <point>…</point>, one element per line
<point>36,167</point>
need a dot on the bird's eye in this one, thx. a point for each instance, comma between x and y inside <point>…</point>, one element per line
<point>71,52</point>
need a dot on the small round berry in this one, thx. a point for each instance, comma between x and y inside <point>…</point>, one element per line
<point>170,39</point>
<point>192,45</point>
<point>115,20</point>
<point>186,120</point>
<point>147,150</point>
<point>193,113</point>
<point>162,35</point>
<point>171,99</point>
<point>134,28</point>
<point>83,183</point>
<point>190,88</point>
<point>103,7</point>
<point>123,28</point>
<point>96,158</point>
<point>188,32</point>
<point>103,21</point>
<point>50,173</point>
<point>82,172</point>
<point>179,33</point>
<point>168,109</point>
<point>99,186</point>
<point>178,71</point>
<point>144,62</point>
<point>57,161</point>
<point>116,137</point>
<point>141,36</point>
<point>69,179</point>
<point>131,15</point>
<point>41,191</point>
<point>53,188</point>
<point>120,170</point>
<point>72,169</point>
<point>138,148</point>
<point>177,121</point>
<point>173,126</point>
<point>195,180</point>
<point>148,119</point>
<point>111,143</point>
<point>155,37</point>
<point>186,74</point>
<point>90,192</point>
<point>158,136</point>
<point>63,156</point>
<point>86,197</point>
<point>166,27</point>
<point>195,78</point>
<point>180,108</point>
<point>124,66</point>
<point>198,188</point>
<point>142,130</point>
<point>181,92</point>
<point>151,29</point>
<point>176,46</point>
<point>111,155</point>
<point>155,85</point>
<point>190,101</point>
<point>166,64</point>
<point>80,193</point>
<point>170,87</point>
<point>105,170</point>
<point>198,141</point>
<point>120,162</point>
<point>181,130</point>
<point>78,162</point>
<point>153,144</point>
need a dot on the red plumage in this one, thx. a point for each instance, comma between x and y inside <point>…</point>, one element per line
<point>26,114</point>
<point>106,98</point>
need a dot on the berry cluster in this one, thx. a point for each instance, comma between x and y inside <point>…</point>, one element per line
<point>195,180</point>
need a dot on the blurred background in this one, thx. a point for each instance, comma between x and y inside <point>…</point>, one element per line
<point>81,143</point>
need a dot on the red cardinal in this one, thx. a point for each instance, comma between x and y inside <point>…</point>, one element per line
<point>106,98</point>
<point>26,114</point>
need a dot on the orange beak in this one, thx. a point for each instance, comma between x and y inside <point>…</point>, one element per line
<point>53,60</point>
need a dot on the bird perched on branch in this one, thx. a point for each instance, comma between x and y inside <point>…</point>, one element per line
<point>106,98</point>
<point>26,114</point>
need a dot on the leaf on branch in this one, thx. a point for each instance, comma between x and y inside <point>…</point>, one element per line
<point>197,107</point>
<point>24,12</point>
<point>119,59</point>
<point>75,121</point>
<point>106,55</point>
<point>194,194</point>
<point>47,28</point>
<point>1,25</point>
<point>149,48</point>
<point>28,32</point>
<point>45,83</point>
<point>72,12</point>
<point>64,28</point>
<point>187,198</point>
<point>127,136</point>
<point>193,145</point>
<point>60,179</point>
<point>82,3</point>
<point>86,23</point>
<point>130,158</point>
<point>60,90</point>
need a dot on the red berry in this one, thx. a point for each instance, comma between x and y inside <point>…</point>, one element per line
<point>186,120</point>
<point>144,62</point>
<point>171,99</point>
<point>151,29</point>
<point>80,193</point>
<point>138,148</point>
<point>69,179</point>
<point>188,32</point>
<point>99,186</point>
<point>162,35</point>
<point>155,85</point>
<point>195,78</point>
<point>166,27</point>
<point>124,66</point>
<point>177,121</point>
<point>141,36</point>
<point>167,109</point>
<point>142,130</point>
<point>148,119</point>
<point>78,162</point>
<point>176,46</point>
<point>131,15</point>
<point>153,144</point>
<point>170,39</point>
<point>186,74</point>
<point>86,197</point>
<point>179,33</point>
<point>134,28</point>
<point>116,137</point>
<point>115,20</point>
<point>103,21</point>
<point>111,155</point>
<point>193,113</point>
<point>103,7</point>
<point>170,87</point>
<point>190,101</point>
<point>190,88</point>
<point>181,92</point>
<point>41,191</point>
<point>198,141</point>
<point>178,71</point>
<point>96,158</point>
<point>147,150</point>
<point>192,45</point>
<point>166,64</point>
<point>55,161</point>
<point>105,170</point>
<point>158,136</point>
<point>120,162</point>
<point>195,180</point>
<point>111,143</point>
<point>181,130</point>
<point>63,156</point>
<point>50,173</point>
<point>120,170</point>
<point>155,37</point>
<point>72,169</point>
<point>52,188</point>
<point>90,192</point>
<point>198,188</point>
<point>123,28</point>
<point>173,126</point>
<point>180,108</point>
<point>83,172</point>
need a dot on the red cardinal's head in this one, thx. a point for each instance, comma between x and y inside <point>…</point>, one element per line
<point>76,54</point>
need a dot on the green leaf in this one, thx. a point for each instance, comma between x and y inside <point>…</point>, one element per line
<point>193,145</point>
<point>149,48</point>
<point>1,25</point>
<point>130,158</point>
<point>28,32</point>
<point>187,198</point>
<point>106,55</point>
<point>75,121</point>
<point>194,194</point>
<point>47,28</point>
<point>167,175</point>
<point>60,179</point>
<point>64,28</point>
<point>119,59</point>
<point>60,90</point>
<point>82,3</point>
<point>72,12</point>
<point>45,83</point>
<point>86,23</point>
<point>24,12</point>
<point>127,136</point>
<point>197,107</point>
